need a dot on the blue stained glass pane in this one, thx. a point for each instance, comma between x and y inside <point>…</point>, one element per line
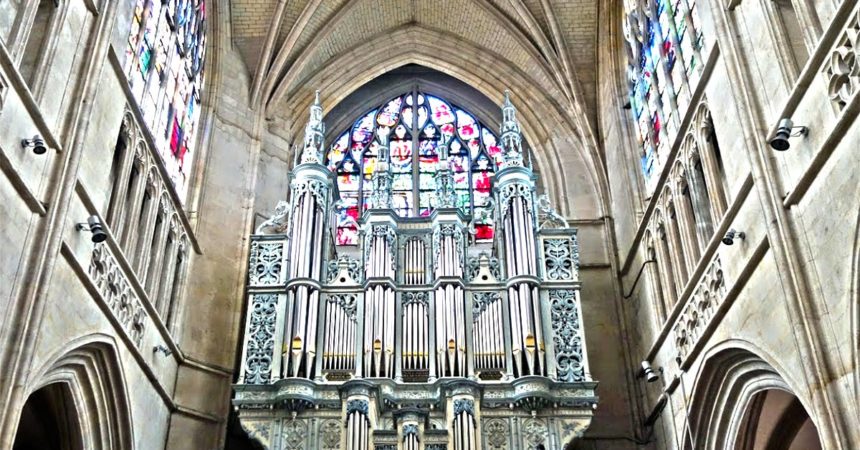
<point>362,131</point>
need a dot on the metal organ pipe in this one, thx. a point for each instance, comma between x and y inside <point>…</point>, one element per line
<point>464,430</point>
<point>357,430</point>
<point>379,311</point>
<point>524,300</point>
<point>303,300</point>
<point>339,351</point>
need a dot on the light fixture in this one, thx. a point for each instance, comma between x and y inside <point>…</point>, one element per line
<point>785,130</point>
<point>93,225</point>
<point>730,236</point>
<point>649,373</point>
<point>36,143</point>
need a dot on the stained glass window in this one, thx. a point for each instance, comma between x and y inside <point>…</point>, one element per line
<point>665,46</point>
<point>417,124</point>
<point>164,65</point>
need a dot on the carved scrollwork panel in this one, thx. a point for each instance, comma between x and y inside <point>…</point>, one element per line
<point>260,343</point>
<point>496,434</point>
<point>567,335</point>
<point>330,432</point>
<point>534,432</point>
<point>293,434</point>
<point>561,258</point>
<point>266,263</point>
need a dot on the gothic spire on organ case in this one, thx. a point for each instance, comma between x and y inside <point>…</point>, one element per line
<point>381,196</point>
<point>511,136</point>
<point>314,132</point>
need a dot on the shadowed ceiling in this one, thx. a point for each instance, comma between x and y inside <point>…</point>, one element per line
<point>553,41</point>
<point>543,50</point>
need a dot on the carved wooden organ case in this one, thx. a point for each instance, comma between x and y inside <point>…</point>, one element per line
<point>420,338</point>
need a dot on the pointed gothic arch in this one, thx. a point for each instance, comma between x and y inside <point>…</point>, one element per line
<point>570,163</point>
<point>734,389</point>
<point>88,373</point>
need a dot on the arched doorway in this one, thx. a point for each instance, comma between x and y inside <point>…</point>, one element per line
<point>741,402</point>
<point>48,421</point>
<point>775,419</point>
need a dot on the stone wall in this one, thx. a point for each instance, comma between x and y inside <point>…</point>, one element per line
<point>787,292</point>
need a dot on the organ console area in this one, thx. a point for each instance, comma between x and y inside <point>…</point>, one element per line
<point>421,337</point>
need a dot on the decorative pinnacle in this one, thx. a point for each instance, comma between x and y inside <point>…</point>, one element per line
<point>381,179</point>
<point>512,138</point>
<point>314,131</point>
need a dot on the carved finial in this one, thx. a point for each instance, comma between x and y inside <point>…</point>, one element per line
<point>445,197</point>
<point>511,135</point>
<point>381,196</point>
<point>314,131</point>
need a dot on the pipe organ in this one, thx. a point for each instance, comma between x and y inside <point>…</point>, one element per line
<point>422,337</point>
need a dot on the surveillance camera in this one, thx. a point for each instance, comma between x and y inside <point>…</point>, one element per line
<point>36,143</point>
<point>730,236</point>
<point>95,227</point>
<point>785,130</point>
<point>649,373</point>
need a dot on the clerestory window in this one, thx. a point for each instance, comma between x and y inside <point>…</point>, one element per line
<point>164,65</point>
<point>665,45</point>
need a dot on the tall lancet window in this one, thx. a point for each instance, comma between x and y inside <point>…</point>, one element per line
<point>420,128</point>
<point>164,65</point>
<point>664,46</point>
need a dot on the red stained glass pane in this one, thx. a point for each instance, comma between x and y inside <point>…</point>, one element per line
<point>440,111</point>
<point>484,232</point>
<point>347,236</point>
<point>481,181</point>
<point>401,156</point>
<point>466,126</point>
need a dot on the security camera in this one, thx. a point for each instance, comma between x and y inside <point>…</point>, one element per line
<point>94,226</point>
<point>785,130</point>
<point>36,143</point>
<point>648,372</point>
<point>160,348</point>
<point>730,236</point>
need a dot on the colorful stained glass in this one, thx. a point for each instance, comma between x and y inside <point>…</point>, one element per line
<point>362,131</point>
<point>665,42</point>
<point>389,114</point>
<point>338,151</point>
<point>418,125</point>
<point>441,111</point>
<point>164,65</point>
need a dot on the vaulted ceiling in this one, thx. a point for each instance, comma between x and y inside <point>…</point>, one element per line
<point>552,41</point>
<point>543,50</point>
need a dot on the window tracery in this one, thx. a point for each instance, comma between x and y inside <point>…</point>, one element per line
<point>420,129</point>
<point>164,66</point>
<point>665,45</point>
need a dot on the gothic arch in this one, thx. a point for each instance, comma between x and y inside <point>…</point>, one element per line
<point>732,376</point>
<point>90,370</point>
<point>342,75</point>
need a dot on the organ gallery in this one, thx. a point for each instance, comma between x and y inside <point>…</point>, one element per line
<point>414,291</point>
